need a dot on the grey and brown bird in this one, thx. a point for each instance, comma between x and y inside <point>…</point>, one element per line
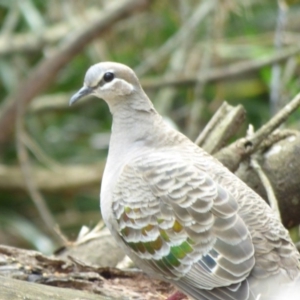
<point>177,212</point>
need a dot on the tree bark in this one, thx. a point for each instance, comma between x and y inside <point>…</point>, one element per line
<point>13,289</point>
<point>46,277</point>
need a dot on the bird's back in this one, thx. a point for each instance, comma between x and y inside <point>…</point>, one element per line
<point>274,253</point>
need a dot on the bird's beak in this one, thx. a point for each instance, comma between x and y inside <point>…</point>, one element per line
<point>84,91</point>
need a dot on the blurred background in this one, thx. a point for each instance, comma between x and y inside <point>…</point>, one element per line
<point>190,55</point>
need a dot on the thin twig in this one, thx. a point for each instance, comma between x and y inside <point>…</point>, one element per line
<point>223,73</point>
<point>264,179</point>
<point>197,105</point>
<point>38,152</point>
<point>267,185</point>
<point>34,193</point>
<point>222,126</point>
<point>30,42</point>
<point>277,136</point>
<point>227,72</point>
<point>10,22</point>
<point>232,155</point>
<point>87,234</point>
<point>216,118</point>
<point>263,132</point>
<point>276,83</point>
<point>200,13</point>
<point>177,65</point>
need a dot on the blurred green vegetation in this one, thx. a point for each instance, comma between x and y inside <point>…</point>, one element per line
<point>232,32</point>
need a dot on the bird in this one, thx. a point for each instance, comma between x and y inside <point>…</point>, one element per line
<point>177,212</point>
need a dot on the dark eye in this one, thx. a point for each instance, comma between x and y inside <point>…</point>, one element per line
<point>108,76</point>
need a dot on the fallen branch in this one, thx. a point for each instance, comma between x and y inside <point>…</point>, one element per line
<point>80,281</point>
<point>13,289</point>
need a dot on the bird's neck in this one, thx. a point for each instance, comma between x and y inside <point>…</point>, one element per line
<point>133,119</point>
<point>133,125</point>
<point>136,125</point>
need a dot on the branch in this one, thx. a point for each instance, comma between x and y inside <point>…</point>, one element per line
<point>30,42</point>
<point>82,278</point>
<point>277,155</point>
<point>280,163</point>
<point>44,103</point>
<point>13,289</point>
<point>224,73</point>
<point>221,127</point>
<point>232,155</point>
<point>198,15</point>
<point>56,179</point>
<point>276,87</point>
<point>37,198</point>
<point>262,133</point>
<point>268,187</point>
<point>264,179</point>
<point>43,75</point>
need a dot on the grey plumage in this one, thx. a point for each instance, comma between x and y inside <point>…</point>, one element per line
<point>178,212</point>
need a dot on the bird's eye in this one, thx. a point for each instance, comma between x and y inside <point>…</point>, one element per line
<point>108,76</point>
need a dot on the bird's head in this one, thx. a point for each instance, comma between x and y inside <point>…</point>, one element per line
<point>109,81</point>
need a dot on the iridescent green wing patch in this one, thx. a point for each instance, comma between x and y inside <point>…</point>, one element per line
<point>180,221</point>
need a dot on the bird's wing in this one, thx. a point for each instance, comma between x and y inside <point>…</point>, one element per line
<point>182,224</point>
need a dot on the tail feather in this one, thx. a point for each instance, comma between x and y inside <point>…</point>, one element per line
<point>238,291</point>
<point>277,287</point>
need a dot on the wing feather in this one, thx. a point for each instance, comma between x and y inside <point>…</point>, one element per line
<point>182,222</point>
